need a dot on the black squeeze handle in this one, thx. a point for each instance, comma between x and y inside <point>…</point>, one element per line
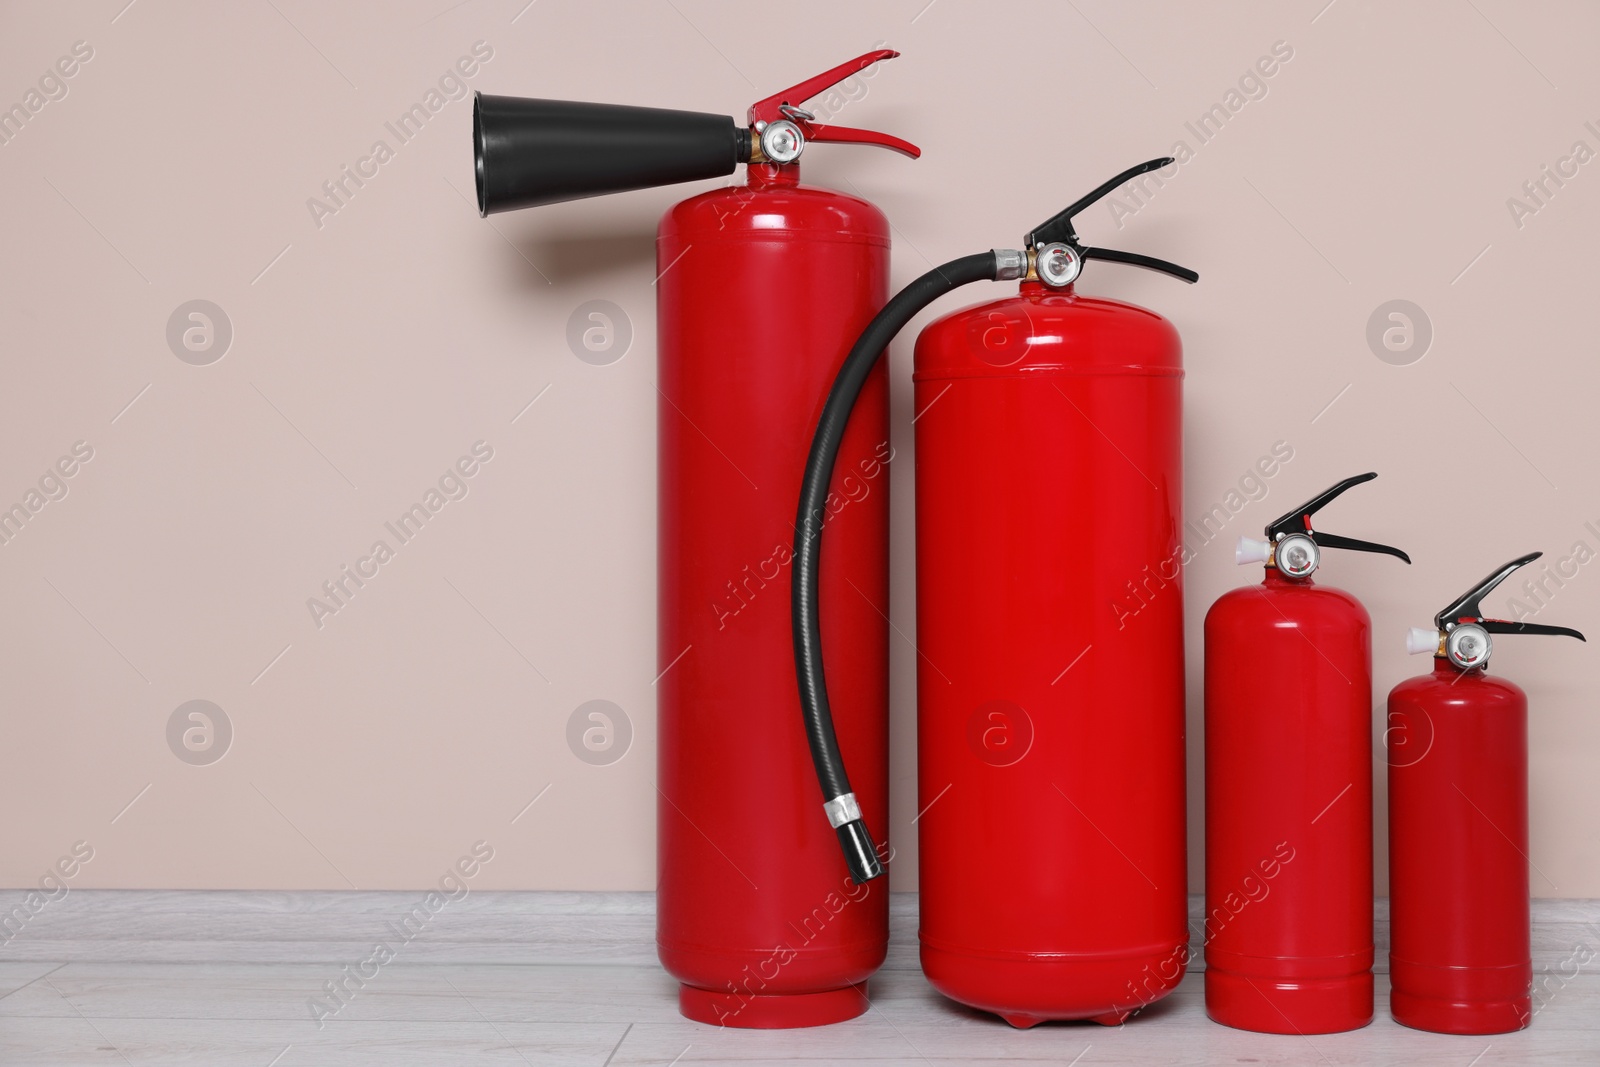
<point>1468,607</point>
<point>1298,520</point>
<point>1060,227</point>
<point>530,152</point>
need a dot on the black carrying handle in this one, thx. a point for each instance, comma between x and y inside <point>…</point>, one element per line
<point>1059,228</point>
<point>1298,521</point>
<point>1353,544</point>
<point>1505,626</point>
<point>1468,607</point>
<point>1134,259</point>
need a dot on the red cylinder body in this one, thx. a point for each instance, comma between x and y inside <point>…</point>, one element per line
<point>1050,682</point>
<point>1288,690</point>
<point>1459,956</point>
<point>762,290</point>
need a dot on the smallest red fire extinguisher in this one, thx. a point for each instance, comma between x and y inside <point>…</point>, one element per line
<point>1460,959</point>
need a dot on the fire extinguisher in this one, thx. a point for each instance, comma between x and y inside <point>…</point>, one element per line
<point>1288,759</point>
<point>1049,725</point>
<point>1459,957</point>
<point>760,289</point>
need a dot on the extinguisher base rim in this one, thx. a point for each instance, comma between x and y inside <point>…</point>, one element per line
<point>768,1011</point>
<point>1278,1005</point>
<point>1052,986</point>
<point>1483,1018</point>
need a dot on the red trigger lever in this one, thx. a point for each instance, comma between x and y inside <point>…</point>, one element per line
<point>785,107</point>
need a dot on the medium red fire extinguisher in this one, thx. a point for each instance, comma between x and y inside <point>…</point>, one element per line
<point>1459,957</point>
<point>761,287</point>
<point>1288,758</point>
<point>1049,728</point>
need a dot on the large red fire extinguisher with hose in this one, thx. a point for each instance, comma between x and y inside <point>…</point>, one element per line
<point>1050,734</point>
<point>761,288</point>
<point>1459,956</point>
<point>1288,757</point>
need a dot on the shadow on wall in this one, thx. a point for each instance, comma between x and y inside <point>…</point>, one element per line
<point>566,259</point>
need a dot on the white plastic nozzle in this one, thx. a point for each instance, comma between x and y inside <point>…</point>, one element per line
<point>1250,550</point>
<point>1420,639</point>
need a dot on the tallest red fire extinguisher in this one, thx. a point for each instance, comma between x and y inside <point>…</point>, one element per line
<point>1049,728</point>
<point>760,289</point>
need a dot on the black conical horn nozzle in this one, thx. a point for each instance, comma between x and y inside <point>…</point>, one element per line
<point>531,152</point>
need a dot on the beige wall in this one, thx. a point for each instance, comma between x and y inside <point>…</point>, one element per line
<point>374,346</point>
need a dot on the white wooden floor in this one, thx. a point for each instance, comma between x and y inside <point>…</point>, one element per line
<point>114,977</point>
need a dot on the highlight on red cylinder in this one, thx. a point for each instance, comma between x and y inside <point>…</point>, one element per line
<point>740,592</point>
<point>1201,528</point>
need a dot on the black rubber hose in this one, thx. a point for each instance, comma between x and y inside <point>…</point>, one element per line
<point>859,851</point>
